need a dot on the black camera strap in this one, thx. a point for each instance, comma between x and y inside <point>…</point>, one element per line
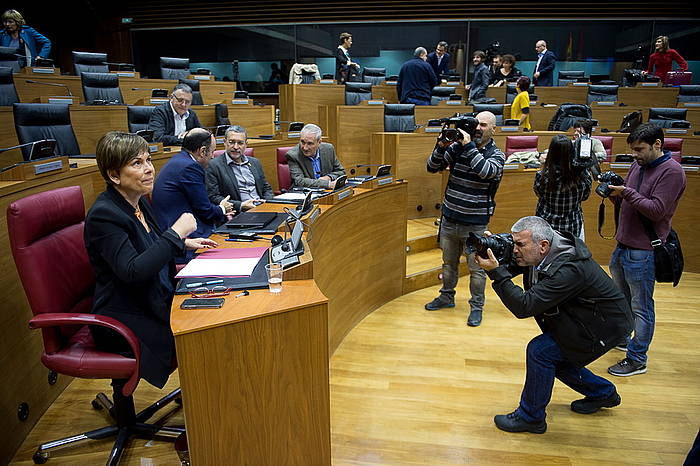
<point>601,219</point>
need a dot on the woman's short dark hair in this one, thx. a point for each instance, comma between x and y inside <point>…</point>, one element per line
<point>557,169</point>
<point>343,37</point>
<point>116,149</point>
<point>585,125</point>
<point>646,132</point>
<point>508,58</point>
<point>523,83</point>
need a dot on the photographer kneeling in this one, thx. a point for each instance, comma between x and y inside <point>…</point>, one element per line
<point>581,312</point>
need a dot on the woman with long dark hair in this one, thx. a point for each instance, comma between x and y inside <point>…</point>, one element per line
<point>561,188</point>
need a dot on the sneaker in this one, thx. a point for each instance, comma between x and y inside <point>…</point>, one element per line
<point>474,319</point>
<point>439,303</point>
<point>512,422</point>
<point>627,367</point>
<point>590,405</point>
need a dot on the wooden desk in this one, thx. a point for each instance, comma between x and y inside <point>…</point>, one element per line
<point>561,95</point>
<point>648,96</point>
<point>299,102</point>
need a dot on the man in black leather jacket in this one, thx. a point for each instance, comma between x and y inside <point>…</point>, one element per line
<point>581,312</point>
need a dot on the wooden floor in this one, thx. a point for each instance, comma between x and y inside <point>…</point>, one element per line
<point>415,387</point>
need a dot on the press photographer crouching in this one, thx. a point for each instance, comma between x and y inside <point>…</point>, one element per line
<point>467,149</point>
<point>581,313</point>
<point>650,195</point>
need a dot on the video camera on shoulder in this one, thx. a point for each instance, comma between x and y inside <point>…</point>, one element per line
<point>501,245</point>
<point>452,125</point>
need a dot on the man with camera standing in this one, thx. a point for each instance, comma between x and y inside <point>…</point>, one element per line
<point>653,188</point>
<point>476,167</point>
<point>581,312</point>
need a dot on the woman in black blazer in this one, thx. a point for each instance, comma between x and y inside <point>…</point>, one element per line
<point>133,257</point>
<point>344,66</point>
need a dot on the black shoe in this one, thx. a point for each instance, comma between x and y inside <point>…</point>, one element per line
<point>512,422</point>
<point>590,405</point>
<point>439,303</point>
<point>474,319</point>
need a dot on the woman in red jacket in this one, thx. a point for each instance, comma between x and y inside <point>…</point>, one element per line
<point>663,59</point>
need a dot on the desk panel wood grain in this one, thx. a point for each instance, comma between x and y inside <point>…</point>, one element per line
<point>299,102</point>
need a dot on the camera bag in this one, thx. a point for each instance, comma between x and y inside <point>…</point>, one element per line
<point>668,256</point>
<point>630,122</point>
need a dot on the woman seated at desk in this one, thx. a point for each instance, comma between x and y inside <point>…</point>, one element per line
<point>133,257</point>
<point>507,71</point>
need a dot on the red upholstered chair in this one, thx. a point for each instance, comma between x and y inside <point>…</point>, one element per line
<point>520,143</point>
<point>249,152</point>
<point>675,145</point>
<point>283,178</point>
<point>46,238</point>
<point>607,145</point>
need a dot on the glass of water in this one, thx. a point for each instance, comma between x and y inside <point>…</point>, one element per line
<point>274,276</point>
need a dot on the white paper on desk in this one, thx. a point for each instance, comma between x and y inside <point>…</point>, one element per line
<point>291,197</point>
<point>241,267</point>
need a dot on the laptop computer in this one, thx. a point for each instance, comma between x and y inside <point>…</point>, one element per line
<point>253,220</point>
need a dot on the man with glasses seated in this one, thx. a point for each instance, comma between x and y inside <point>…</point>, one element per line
<point>171,120</point>
<point>312,163</point>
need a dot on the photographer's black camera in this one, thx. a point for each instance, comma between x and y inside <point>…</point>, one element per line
<point>451,126</point>
<point>606,179</point>
<point>501,245</point>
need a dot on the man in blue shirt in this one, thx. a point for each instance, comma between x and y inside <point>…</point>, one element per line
<point>312,163</point>
<point>416,79</point>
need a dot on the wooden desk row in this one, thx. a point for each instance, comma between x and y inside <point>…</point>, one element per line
<point>212,91</point>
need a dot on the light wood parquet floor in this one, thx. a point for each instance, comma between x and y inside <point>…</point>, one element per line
<point>415,387</point>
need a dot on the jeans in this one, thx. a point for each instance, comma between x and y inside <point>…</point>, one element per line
<point>452,242</point>
<point>545,361</point>
<point>413,100</point>
<point>633,272</point>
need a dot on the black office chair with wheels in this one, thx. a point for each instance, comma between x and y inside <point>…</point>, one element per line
<point>9,59</point>
<point>196,94</point>
<point>669,117</point>
<point>602,93</point>
<point>569,76</point>
<point>373,76</point>
<point>688,93</point>
<point>357,92</point>
<point>400,118</point>
<point>496,109</point>
<point>138,117</point>
<point>8,92</point>
<point>174,68</point>
<point>35,122</point>
<point>101,88</point>
<point>221,115</point>
<point>89,62</point>
<point>440,93</point>
<point>512,92</point>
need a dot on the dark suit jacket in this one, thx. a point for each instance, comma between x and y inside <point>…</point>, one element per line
<point>444,64</point>
<point>162,123</point>
<point>221,181</point>
<point>179,188</point>
<point>416,81</point>
<point>546,70</point>
<point>302,171</point>
<point>127,264</point>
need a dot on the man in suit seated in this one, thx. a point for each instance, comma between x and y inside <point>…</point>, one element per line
<point>235,175</point>
<point>439,59</point>
<point>171,120</point>
<point>180,186</point>
<point>312,163</point>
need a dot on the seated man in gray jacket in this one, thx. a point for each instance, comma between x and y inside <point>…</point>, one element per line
<point>236,175</point>
<point>312,163</point>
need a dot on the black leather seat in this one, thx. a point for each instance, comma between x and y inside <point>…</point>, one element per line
<point>34,122</point>
<point>174,68</point>
<point>101,86</point>
<point>688,93</point>
<point>512,91</point>
<point>357,92</point>
<point>602,93</point>
<point>440,93</point>
<point>8,93</point>
<point>373,76</point>
<point>221,115</point>
<point>196,94</point>
<point>400,118</point>
<point>138,117</point>
<point>89,62</point>
<point>569,76</point>
<point>665,117</point>
<point>496,109</point>
<point>9,59</point>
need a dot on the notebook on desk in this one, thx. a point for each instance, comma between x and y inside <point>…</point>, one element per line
<point>253,220</point>
<point>257,279</point>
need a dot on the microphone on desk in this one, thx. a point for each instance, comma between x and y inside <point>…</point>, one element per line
<point>40,149</point>
<point>31,81</point>
<point>236,94</point>
<point>293,125</point>
<point>155,92</point>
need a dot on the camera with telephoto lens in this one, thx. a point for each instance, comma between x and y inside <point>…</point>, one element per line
<point>451,126</point>
<point>606,179</point>
<point>501,245</point>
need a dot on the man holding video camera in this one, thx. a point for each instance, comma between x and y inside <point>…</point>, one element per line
<point>581,312</point>
<point>476,167</point>
<point>652,190</point>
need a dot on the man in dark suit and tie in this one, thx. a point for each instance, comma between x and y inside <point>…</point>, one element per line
<point>544,69</point>
<point>180,186</point>
<point>236,175</point>
<point>312,163</point>
<point>439,59</point>
<point>171,120</point>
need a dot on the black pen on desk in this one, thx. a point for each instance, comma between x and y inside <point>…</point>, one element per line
<point>242,293</point>
<point>239,240</point>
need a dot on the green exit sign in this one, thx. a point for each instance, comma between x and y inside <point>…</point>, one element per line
<point>127,20</point>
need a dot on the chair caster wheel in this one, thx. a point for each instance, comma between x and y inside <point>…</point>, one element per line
<point>40,458</point>
<point>178,400</point>
<point>96,405</point>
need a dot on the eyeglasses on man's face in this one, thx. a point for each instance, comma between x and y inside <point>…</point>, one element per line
<point>181,100</point>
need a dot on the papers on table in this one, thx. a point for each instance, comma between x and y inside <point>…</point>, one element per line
<point>293,197</point>
<point>224,262</point>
